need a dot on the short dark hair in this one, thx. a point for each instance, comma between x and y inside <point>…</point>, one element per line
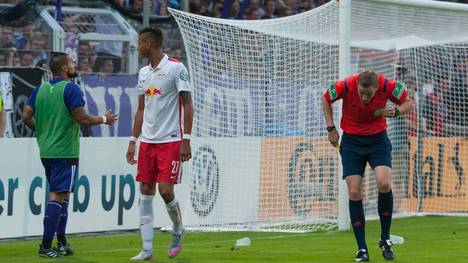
<point>57,61</point>
<point>155,35</point>
<point>368,78</point>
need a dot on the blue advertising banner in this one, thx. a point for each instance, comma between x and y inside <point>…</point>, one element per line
<point>225,107</point>
<point>116,92</point>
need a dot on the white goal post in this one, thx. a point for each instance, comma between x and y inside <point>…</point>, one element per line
<point>257,97</point>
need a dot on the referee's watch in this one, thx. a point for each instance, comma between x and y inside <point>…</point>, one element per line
<point>331,128</point>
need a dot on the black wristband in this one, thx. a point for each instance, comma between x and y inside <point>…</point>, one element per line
<point>397,111</point>
<point>331,128</point>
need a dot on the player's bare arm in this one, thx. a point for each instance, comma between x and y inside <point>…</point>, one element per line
<point>185,150</point>
<point>82,118</point>
<point>333,135</point>
<point>28,117</point>
<point>136,129</point>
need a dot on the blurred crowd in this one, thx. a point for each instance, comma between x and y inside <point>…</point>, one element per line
<point>25,46</point>
<point>157,7</point>
<point>30,44</point>
<point>252,9</point>
<point>440,93</point>
<point>232,9</point>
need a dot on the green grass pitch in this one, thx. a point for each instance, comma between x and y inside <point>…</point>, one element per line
<point>427,239</point>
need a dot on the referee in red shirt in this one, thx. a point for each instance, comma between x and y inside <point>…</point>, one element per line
<point>365,140</point>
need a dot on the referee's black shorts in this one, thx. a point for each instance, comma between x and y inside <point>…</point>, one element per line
<point>357,150</point>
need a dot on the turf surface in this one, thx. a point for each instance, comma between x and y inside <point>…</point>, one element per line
<point>427,239</point>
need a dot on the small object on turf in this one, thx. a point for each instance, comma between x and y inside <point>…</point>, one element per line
<point>243,242</point>
<point>397,239</point>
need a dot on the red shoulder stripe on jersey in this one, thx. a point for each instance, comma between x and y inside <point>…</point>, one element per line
<point>173,60</point>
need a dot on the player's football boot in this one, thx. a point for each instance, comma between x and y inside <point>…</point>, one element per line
<point>143,255</point>
<point>386,247</point>
<point>362,256</point>
<point>176,245</point>
<point>48,253</point>
<point>64,250</point>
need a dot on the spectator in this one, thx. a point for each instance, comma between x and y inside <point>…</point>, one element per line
<point>106,65</point>
<point>123,62</point>
<point>3,58</point>
<point>254,4</point>
<point>28,29</point>
<point>456,99</point>
<point>122,3</point>
<point>84,48</point>
<point>6,35</point>
<point>287,11</point>
<point>108,49</point>
<point>84,65</point>
<point>269,9</point>
<point>137,6</point>
<point>234,9</point>
<point>293,5</point>
<point>204,9</point>
<point>69,23</point>
<point>217,10</point>
<point>160,8</point>
<point>38,46</point>
<point>12,59</point>
<point>26,59</point>
<point>177,54</point>
<point>253,14</point>
<point>432,109</point>
<point>19,40</point>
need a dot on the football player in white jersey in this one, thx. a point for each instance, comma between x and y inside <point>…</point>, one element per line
<point>164,143</point>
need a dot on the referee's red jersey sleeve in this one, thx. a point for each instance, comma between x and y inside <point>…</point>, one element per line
<point>335,91</point>
<point>397,92</point>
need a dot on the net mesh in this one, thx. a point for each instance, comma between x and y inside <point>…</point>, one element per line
<point>258,87</point>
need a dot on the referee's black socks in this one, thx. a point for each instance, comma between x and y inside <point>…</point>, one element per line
<point>358,221</point>
<point>385,208</point>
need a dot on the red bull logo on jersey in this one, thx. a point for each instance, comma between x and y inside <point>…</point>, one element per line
<point>153,91</point>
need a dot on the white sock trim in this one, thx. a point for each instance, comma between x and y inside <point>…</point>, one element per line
<point>146,197</point>
<point>172,203</point>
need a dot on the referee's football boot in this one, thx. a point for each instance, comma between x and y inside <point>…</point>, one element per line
<point>362,256</point>
<point>48,252</point>
<point>386,247</point>
<point>64,250</point>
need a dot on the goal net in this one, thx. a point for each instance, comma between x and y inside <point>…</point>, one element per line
<point>262,160</point>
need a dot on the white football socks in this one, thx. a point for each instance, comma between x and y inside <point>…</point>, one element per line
<point>146,221</point>
<point>174,213</point>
